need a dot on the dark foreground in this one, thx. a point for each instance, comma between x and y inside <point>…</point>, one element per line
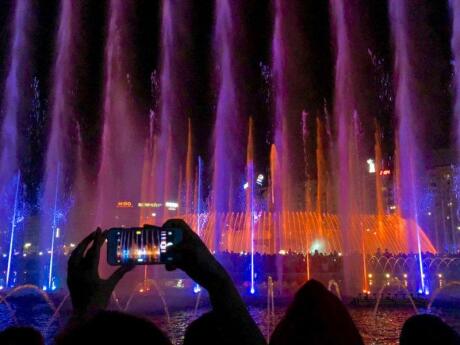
<point>382,329</point>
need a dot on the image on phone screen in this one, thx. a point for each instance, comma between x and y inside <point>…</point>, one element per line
<point>143,246</point>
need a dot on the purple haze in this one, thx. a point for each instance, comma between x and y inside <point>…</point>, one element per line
<point>169,154</point>
<point>13,90</point>
<point>121,159</point>
<point>455,46</point>
<point>408,113</point>
<point>228,129</point>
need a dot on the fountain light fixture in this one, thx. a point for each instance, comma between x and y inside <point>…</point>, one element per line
<point>371,166</point>
<point>370,275</point>
<point>440,275</point>
<point>317,245</point>
<point>27,245</point>
<point>387,275</point>
<point>405,275</point>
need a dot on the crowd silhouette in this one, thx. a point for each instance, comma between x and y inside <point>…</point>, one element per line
<point>315,316</point>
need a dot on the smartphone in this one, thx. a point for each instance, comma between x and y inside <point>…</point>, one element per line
<point>142,246</point>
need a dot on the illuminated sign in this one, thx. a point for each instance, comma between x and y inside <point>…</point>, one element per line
<point>149,204</point>
<point>124,204</point>
<point>385,172</point>
<point>171,205</point>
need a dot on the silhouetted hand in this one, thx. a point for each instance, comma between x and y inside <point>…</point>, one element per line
<point>87,290</point>
<point>193,257</point>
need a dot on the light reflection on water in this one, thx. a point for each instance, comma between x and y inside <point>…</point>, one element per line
<point>385,331</point>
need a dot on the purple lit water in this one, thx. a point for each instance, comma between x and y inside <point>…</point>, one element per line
<point>455,46</point>
<point>170,127</point>
<point>60,149</point>
<point>162,182</point>
<point>408,112</point>
<point>16,80</point>
<point>121,159</point>
<point>280,137</point>
<point>228,126</point>
<point>12,94</point>
<point>348,171</point>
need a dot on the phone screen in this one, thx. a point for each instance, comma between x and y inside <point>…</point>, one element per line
<point>143,246</point>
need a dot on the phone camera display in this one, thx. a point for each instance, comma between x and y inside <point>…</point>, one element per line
<point>142,245</point>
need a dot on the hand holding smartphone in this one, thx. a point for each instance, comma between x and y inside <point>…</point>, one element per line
<point>141,245</point>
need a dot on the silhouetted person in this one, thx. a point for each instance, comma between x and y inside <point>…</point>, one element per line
<point>427,330</point>
<point>90,295</point>
<point>195,259</point>
<point>206,330</point>
<point>21,336</point>
<point>112,327</point>
<point>316,317</point>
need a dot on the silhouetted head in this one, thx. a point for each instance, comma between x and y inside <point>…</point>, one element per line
<point>21,336</point>
<point>206,330</point>
<point>427,330</point>
<point>316,316</point>
<point>111,327</point>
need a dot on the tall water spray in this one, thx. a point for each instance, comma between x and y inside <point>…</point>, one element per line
<point>346,100</point>
<point>250,202</point>
<point>12,94</point>
<point>227,124</point>
<point>59,157</point>
<point>280,187</point>
<point>12,100</point>
<point>170,136</point>
<point>121,159</point>
<point>163,181</point>
<point>14,221</point>
<point>408,147</point>
<point>455,46</point>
